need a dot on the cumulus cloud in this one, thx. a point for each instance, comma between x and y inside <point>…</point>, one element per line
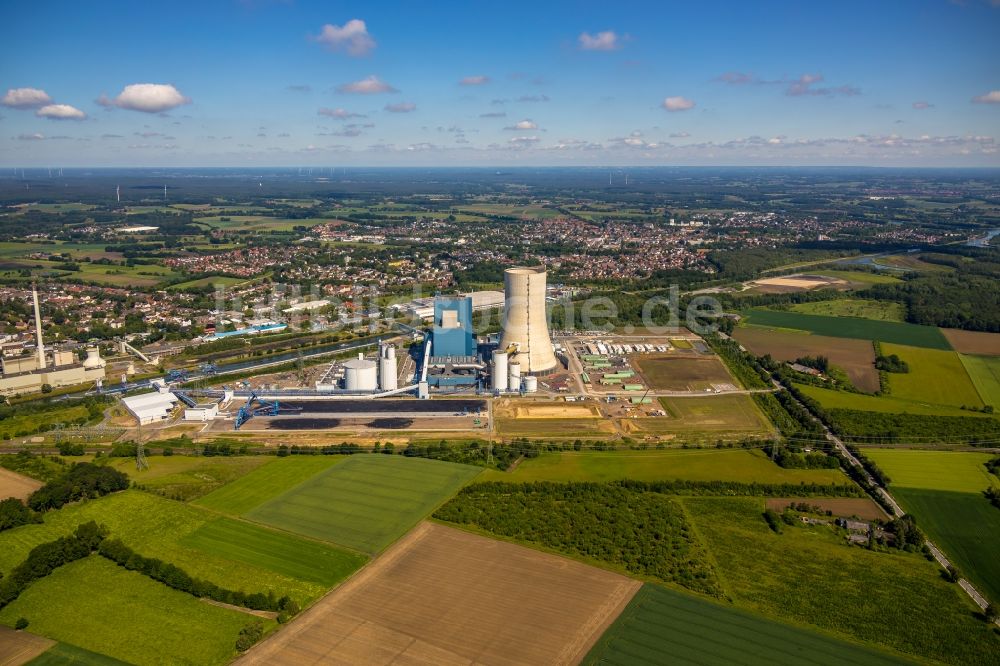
<point>606,40</point>
<point>677,104</point>
<point>339,113</point>
<point>494,114</point>
<point>523,140</point>
<point>992,97</point>
<point>920,106</point>
<point>523,125</point>
<point>31,137</point>
<point>25,98</point>
<point>401,107</point>
<point>352,37</point>
<point>477,80</point>
<point>147,97</point>
<point>371,85</point>
<point>60,112</point>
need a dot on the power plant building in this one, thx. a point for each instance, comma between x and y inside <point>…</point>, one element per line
<point>525,324</point>
<point>453,335</point>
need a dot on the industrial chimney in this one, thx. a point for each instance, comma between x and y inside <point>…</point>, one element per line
<point>38,329</point>
<point>525,326</point>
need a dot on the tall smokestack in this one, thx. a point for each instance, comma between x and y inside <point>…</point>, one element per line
<point>38,328</point>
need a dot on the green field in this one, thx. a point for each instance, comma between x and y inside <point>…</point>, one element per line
<point>687,464</point>
<point>849,307</point>
<point>663,626</point>
<point>985,374</point>
<point>58,413</point>
<point>809,575</point>
<point>186,477</point>
<point>832,399</point>
<point>64,654</point>
<point>847,327</point>
<point>935,376</point>
<point>263,483</point>
<point>367,502</point>
<point>223,280</point>
<point>117,276</point>
<point>99,606</point>
<point>274,551</point>
<point>157,527</point>
<point>965,526</point>
<point>707,415</point>
<point>955,471</point>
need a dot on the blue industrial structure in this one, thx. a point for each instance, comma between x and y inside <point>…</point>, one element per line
<point>453,334</point>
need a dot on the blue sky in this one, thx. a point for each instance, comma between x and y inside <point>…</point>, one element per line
<point>261,82</point>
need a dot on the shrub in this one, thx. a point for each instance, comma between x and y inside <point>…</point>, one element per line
<point>249,635</point>
<point>22,623</point>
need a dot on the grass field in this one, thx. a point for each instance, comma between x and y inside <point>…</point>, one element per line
<point>216,280</point>
<point>935,376</point>
<point>64,654</point>
<point>102,607</point>
<point>674,373</point>
<point>186,477</point>
<point>847,327</point>
<point>810,575</point>
<point>971,342</point>
<point>660,626</point>
<point>707,415</point>
<point>116,276</point>
<point>855,357</point>
<point>985,374</point>
<point>688,464</point>
<point>851,307</point>
<point>966,526</point>
<point>956,471</point>
<point>554,427</point>
<point>296,558</point>
<point>366,502</point>
<point>156,527</point>
<point>832,399</point>
<point>57,413</point>
<point>263,483</point>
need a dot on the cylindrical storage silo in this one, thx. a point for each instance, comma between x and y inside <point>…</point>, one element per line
<point>388,379</point>
<point>525,322</point>
<point>529,384</point>
<point>499,371</point>
<point>360,375</point>
<point>514,376</point>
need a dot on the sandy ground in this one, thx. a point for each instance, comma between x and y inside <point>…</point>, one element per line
<point>842,507</point>
<point>546,410</point>
<point>16,485</point>
<point>798,281</point>
<point>443,596</point>
<point>19,647</point>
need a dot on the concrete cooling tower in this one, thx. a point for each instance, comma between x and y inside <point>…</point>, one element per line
<point>525,325</point>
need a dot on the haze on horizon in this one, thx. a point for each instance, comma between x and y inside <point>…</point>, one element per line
<point>258,82</point>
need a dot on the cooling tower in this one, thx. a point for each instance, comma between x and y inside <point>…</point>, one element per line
<point>525,324</point>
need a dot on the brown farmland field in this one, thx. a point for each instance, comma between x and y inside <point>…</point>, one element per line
<point>973,342</point>
<point>443,596</point>
<point>842,507</point>
<point>672,373</point>
<point>16,485</point>
<point>20,647</point>
<point>855,357</point>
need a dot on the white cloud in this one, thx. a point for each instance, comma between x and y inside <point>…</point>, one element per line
<point>523,125</point>
<point>352,37</point>
<point>677,104</point>
<point>494,114</point>
<point>25,98</point>
<point>992,97</point>
<point>804,86</point>
<point>371,85</point>
<point>477,80</point>
<point>60,112</point>
<point>339,113</point>
<point>401,107</point>
<point>31,137</point>
<point>735,78</point>
<point>679,135</point>
<point>602,41</point>
<point>147,97</point>
<point>920,106</point>
<point>530,98</point>
<point>523,140</point>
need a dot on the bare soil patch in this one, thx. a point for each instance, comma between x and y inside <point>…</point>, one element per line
<point>443,596</point>
<point>855,357</point>
<point>19,647</point>
<point>17,485</point>
<point>973,342</point>
<point>793,283</point>
<point>842,507</point>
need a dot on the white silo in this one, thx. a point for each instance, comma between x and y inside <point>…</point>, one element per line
<point>529,384</point>
<point>514,376</point>
<point>388,377</point>
<point>499,371</point>
<point>360,375</point>
<point>525,325</point>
